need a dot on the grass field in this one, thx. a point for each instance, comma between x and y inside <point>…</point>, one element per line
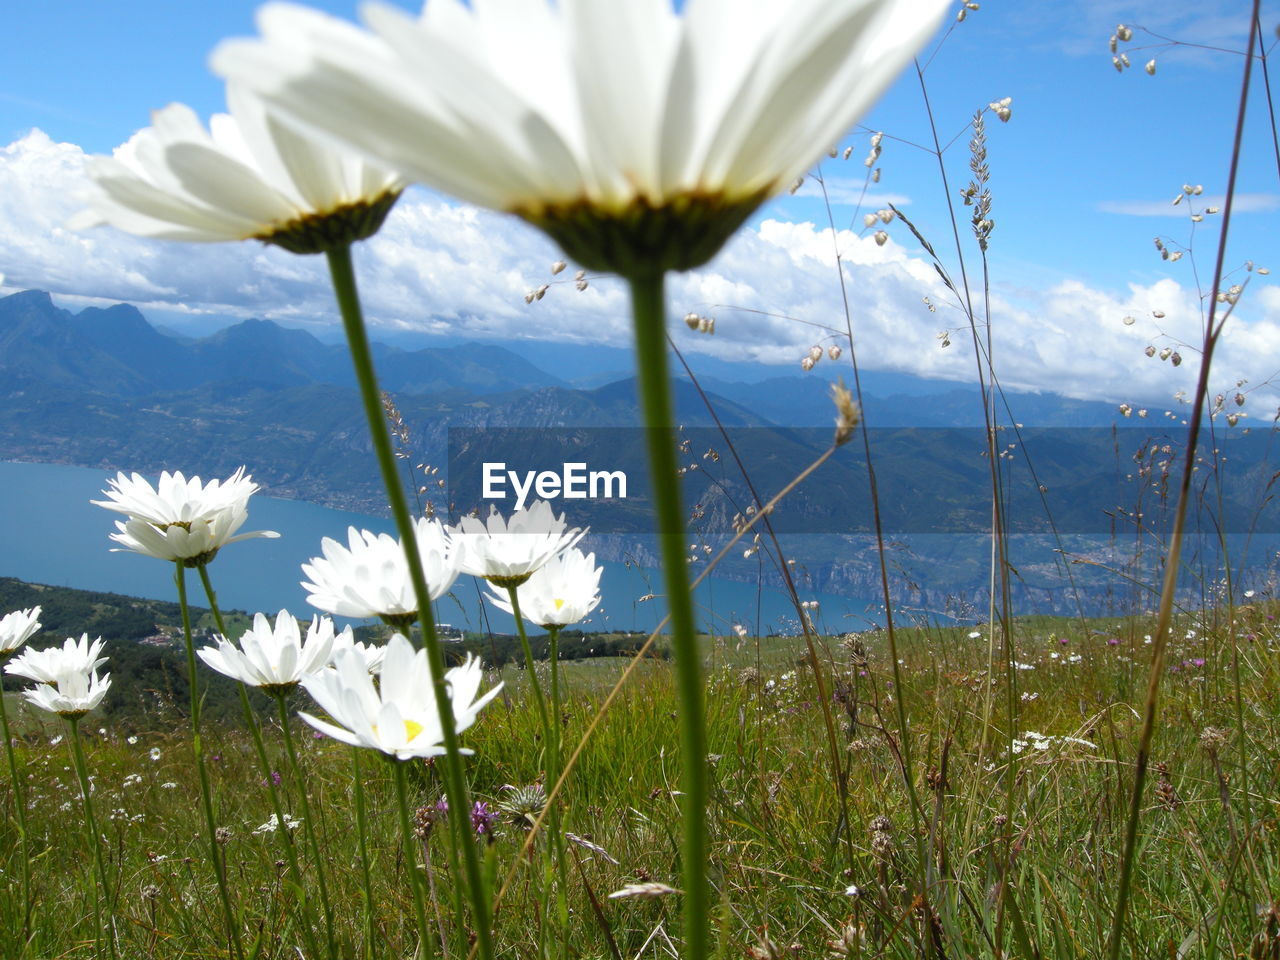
<point>1014,815</point>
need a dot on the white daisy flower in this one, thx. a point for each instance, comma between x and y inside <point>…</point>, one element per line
<point>275,658</point>
<point>46,666</point>
<point>559,593</point>
<point>507,552</point>
<point>180,519</point>
<point>72,694</point>
<point>398,715</point>
<point>628,132</point>
<point>247,176</point>
<point>370,576</point>
<point>17,628</point>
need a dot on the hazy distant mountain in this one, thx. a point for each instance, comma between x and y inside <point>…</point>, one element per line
<point>116,351</point>
<point>900,400</point>
<point>104,388</point>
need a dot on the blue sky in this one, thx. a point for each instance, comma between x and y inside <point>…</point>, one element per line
<point>1082,177</point>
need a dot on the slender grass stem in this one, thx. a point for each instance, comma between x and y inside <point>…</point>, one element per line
<point>550,754</point>
<point>308,823</point>
<point>411,850</point>
<point>630,668</point>
<point>344,287</point>
<point>648,307</point>
<point>206,792</point>
<point>20,817</point>
<point>95,842</point>
<point>553,653</point>
<point>539,701</point>
<point>255,733</point>
<point>554,755</point>
<point>1172,561</point>
<point>362,839</point>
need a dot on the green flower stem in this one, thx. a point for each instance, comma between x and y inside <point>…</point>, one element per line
<point>344,288</point>
<point>411,850</point>
<point>82,772</point>
<point>20,811</point>
<point>557,712</point>
<point>539,701</point>
<point>286,837</point>
<point>362,838</point>
<point>648,307</point>
<point>206,793</point>
<point>554,767</point>
<point>550,763</point>
<point>255,732</point>
<point>308,825</point>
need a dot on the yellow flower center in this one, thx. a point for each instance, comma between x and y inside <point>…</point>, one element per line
<point>411,729</point>
<point>559,603</point>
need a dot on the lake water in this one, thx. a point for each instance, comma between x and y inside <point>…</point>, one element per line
<point>54,535</point>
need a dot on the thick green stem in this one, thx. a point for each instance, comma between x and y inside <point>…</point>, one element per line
<point>91,825</point>
<point>308,825</point>
<point>20,813</point>
<point>411,850</point>
<point>344,287</point>
<point>206,793</point>
<point>255,733</point>
<point>655,397</point>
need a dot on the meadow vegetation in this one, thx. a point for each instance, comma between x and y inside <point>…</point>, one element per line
<point>1012,787</point>
<point>1022,791</point>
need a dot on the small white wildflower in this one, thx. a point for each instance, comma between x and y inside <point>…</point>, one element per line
<point>273,824</point>
<point>155,753</point>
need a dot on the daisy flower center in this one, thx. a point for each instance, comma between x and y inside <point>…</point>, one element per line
<point>342,226</point>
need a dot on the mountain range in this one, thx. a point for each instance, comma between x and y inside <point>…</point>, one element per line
<point>104,388</point>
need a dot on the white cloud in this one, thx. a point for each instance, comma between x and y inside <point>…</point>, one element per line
<point>774,290</point>
<point>1244,203</point>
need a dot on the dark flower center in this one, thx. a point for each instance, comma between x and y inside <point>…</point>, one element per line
<point>322,232</point>
<point>684,232</point>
